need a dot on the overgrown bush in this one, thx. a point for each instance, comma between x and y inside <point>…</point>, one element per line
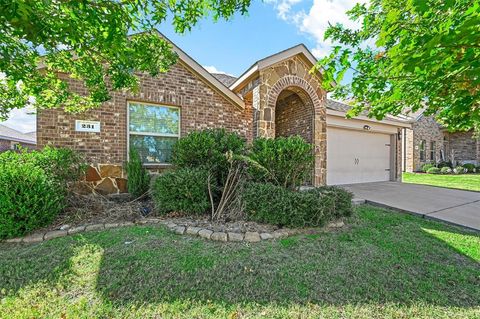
<point>433,170</point>
<point>183,190</point>
<point>426,167</point>
<point>138,178</point>
<point>206,149</point>
<point>459,170</point>
<point>443,164</point>
<point>268,203</point>
<point>29,197</point>
<point>63,165</point>
<point>284,161</point>
<point>446,170</point>
<point>471,168</point>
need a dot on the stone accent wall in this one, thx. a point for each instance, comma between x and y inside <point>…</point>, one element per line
<point>105,179</point>
<point>408,150</point>
<point>465,147</point>
<point>292,75</point>
<point>200,105</point>
<point>426,128</point>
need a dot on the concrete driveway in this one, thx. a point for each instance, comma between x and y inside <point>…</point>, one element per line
<point>453,206</point>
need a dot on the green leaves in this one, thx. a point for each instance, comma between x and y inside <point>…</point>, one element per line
<point>90,41</point>
<point>427,56</point>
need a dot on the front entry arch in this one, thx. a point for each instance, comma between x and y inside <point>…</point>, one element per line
<point>293,107</point>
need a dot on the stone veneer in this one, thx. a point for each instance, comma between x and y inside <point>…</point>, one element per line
<point>269,87</point>
<point>464,146</point>
<point>105,179</point>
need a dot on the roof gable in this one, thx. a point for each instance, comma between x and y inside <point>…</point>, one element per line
<point>299,49</point>
<point>195,67</point>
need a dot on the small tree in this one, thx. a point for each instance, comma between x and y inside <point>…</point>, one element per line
<point>138,177</point>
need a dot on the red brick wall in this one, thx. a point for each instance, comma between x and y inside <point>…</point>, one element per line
<point>201,107</point>
<point>5,145</point>
<point>293,117</point>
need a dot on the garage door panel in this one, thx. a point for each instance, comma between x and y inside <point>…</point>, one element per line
<point>357,156</point>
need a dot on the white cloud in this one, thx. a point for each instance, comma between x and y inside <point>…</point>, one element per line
<point>315,20</point>
<point>284,7</point>
<point>213,69</point>
<point>22,120</point>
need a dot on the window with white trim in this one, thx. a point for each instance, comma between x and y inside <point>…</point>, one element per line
<point>423,144</point>
<point>433,150</point>
<point>153,130</point>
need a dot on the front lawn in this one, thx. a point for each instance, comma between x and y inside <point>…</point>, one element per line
<point>466,181</point>
<point>384,264</point>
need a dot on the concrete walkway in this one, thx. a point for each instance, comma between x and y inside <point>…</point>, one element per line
<point>453,206</point>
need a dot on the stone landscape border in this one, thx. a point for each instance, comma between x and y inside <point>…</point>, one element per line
<point>250,237</point>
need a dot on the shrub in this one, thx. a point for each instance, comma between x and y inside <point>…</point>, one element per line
<point>443,164</point>
<point>433,170</point>
<point>29,198</point>
<point>61,164</point>
<point>470,167</point>
<point>138,178</point>
<point>183,190</point>
<point>206,149</point>
<point>284,161</point>
<point>459,170</point>
<point>445,170</point>
<point>426,167</point>
<point>268,203</point>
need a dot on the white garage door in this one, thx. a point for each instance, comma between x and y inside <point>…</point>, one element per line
<point>357,157</point>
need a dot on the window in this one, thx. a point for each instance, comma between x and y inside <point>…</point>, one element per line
<point>153,130</point>
<point>433,148</point>
<point>15,146</point>
<point>422,150</point>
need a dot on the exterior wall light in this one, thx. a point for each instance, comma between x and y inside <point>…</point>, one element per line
<point>367,127</point>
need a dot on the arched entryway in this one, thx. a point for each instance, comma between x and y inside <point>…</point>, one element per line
<point>294,114</point>
<point>295,107</point>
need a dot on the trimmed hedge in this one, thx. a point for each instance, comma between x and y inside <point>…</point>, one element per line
<point>183,190</point>
<point>433,170</point>
<point>471,168</point>
<point>268,203</point>
<point>445,170</point>
<point>426,167</point>
<point>29,198</point>
<point>283,161</point>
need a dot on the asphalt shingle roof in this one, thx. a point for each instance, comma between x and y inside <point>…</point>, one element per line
<point>14,135</point>
<point>226,79</point>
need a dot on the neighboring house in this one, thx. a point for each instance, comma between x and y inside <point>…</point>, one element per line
<point>11,139</point>
<point>429,142</point>
<point>276,96</point>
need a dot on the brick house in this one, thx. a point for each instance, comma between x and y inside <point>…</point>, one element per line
<point>11,139</point>
<point>276,96</point>
<point>428,142</point>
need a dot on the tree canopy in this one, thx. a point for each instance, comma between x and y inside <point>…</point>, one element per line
<point>90,40</point>
<point>408,55</point>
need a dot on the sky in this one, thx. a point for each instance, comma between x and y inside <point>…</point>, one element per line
<point>232,47</point>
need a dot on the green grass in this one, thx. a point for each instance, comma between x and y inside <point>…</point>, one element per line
<point>384,265</point>
<point>467,181</point>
